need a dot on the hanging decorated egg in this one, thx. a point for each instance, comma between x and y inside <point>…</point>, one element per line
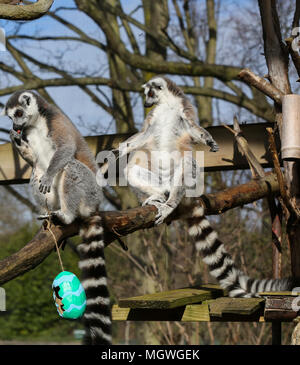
<point>69,295</point>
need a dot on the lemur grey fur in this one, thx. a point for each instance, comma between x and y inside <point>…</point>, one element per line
<point>63,182</point>
<point>170,126</point>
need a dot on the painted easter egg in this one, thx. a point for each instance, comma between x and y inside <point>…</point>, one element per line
<point>69,295</point>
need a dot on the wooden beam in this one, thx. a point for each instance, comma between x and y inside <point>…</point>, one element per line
<point>188,313</point>
<point>207,303</point>
<point>13,170</point>
<point>279,308</point>
<point>172,298</point>
<point>235,306</point>
<point>222,309</point>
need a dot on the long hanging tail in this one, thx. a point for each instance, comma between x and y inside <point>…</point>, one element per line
<point>222,266</point>
<point>97,317</point>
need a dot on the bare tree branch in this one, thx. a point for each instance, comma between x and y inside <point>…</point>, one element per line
<point>261,84</point>
<point>120,223</point>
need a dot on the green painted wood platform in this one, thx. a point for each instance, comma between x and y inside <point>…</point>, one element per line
<point>206,303</point>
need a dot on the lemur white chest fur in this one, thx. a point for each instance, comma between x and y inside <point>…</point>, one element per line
<point>43,150</point>
<point>165,123</point>
<point>41,144</point>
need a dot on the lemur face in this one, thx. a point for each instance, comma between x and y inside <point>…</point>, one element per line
<point>22,109</point>
<point>154,89</point>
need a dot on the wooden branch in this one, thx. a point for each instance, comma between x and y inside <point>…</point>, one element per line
<point>275,50</point>
<point>293,210</point>
<point>244,149</point>
<point>295,56</point>
<point>258,172</point>
<point>289,41</point>
<point>25,12</point>
<point>120,223</point>
<point>296,17</point>
<point>261,84</point>
<point>277,58</point>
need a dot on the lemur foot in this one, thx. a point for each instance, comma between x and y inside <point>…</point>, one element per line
<point>43,216</point>
<point>164,210</point>
<point>213,146</point>
<point>153,199</point>
<point>57,217</point>
<point>51,217</point>
<point>159,201</point>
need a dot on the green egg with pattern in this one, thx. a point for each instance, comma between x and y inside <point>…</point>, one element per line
<point>69,295</point>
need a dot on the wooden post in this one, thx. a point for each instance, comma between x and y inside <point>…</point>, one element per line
<point>276,239</point>
<point>290,142</point>
<point>276,333</point>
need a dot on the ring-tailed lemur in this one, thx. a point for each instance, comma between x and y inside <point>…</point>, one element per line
<point>63,182</point>
<point>170,126</point>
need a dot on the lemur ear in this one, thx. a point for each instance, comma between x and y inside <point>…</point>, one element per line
<point>3,112</point>
<point>26,100</point>
<point>144,86</point>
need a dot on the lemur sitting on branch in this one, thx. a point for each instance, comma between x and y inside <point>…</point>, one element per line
<point>64,185</point>
<point>168,132</point>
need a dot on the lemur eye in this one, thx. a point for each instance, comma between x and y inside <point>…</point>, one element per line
<point>18,113</point>
<point>150,94</point>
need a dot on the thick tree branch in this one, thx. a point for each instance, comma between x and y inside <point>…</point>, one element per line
<point>261,84</point>
<point>121,223</point>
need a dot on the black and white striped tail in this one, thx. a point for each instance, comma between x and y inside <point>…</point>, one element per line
<point>221,265</point>
<point>97,317</point>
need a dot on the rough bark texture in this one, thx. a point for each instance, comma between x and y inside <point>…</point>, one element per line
<point>277,60</point>
<point>121,223</point>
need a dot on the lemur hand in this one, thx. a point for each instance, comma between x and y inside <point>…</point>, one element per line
<point>213,146</point>
<point>15,137</point>
<point>45,184</point>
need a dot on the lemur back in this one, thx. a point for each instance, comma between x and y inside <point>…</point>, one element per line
<point>170,126</point>
<point>64,185</point>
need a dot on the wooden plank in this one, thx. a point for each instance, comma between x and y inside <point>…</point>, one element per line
<point>172,298</point>
<point>14,170</point>
<point>196,313</point>
<point>142,314</point>
<point>280,308</point>
<point>235,306</point>
<point>119,314</point>
<point>189,313</point>
<point>280,294</point>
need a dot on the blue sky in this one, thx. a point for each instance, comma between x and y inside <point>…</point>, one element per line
<point>86,58</point>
